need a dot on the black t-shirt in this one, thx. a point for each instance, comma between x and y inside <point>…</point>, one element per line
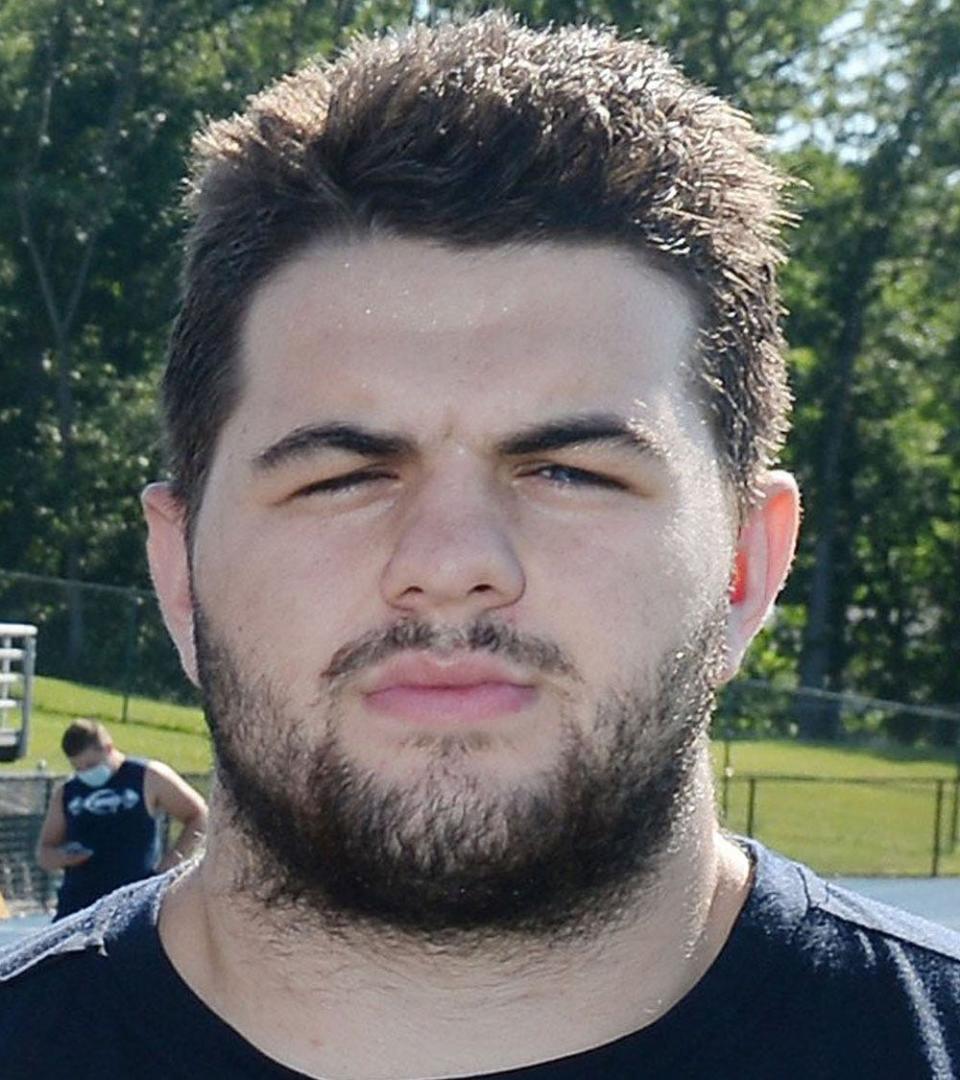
<point>814,982</point>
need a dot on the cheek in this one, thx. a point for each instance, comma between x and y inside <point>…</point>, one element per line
<point>285,598</point>
<point>617,595</point>
<point>624,594</point>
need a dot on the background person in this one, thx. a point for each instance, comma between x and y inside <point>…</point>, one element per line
<point>101,827</point>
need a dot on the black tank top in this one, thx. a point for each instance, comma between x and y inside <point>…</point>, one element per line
<point>113,821</point>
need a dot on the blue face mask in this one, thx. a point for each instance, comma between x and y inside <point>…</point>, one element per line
<point>96,775</point>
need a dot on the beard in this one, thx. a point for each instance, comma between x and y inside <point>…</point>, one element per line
<point>448,852</point>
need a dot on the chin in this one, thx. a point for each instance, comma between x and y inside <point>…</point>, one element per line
<point>435,832</point>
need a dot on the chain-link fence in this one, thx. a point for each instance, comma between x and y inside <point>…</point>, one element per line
<point>876,791</point>
<point>751,709</point>
<point>23,805</point>
<point>99,635</point>
<point>852,825</point>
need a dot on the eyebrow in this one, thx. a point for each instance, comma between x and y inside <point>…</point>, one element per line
<point>312,438</point>
<point>583,430</point>
<point>559,434</point>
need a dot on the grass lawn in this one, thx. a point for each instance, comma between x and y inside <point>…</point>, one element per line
<point>883,824</point>
<point>175,734</point>
<point>783,757</point>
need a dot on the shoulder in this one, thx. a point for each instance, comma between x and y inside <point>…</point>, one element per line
<point>162,775</point>
<point>851,913</point>
<point>74,984</point>
<point>135,764</point>
<point>90,932</point>
<point>816,981</point>
<point>56,792</point>
<point>841,984</point>
<point>60,794</point>
<point>168,789</point>
<point>160,770</point>
<point>835,940</point>
<point>62,785</point>
<point>64,991</point>
<point>104,933</point>
<point>135,771</point>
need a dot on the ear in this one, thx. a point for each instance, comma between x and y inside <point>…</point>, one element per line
<point>170,568</point>
<point>764,551</point>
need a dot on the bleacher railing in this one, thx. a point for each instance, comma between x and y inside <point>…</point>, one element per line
<point>18,644</point>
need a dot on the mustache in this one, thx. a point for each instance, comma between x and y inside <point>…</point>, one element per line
<point>483,636</point>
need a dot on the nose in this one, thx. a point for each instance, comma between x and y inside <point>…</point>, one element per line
<point>453,556</point>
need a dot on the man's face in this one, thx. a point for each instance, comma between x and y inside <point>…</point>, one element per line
<point>459,571</point>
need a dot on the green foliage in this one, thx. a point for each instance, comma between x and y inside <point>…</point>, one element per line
<point>97,103</point>
<point>875,328</point>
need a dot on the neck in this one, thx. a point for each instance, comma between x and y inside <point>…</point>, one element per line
<point>372,1005</point>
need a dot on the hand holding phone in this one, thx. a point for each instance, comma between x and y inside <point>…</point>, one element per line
<point>76,853</point>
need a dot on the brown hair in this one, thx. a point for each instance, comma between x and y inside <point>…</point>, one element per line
<point>81,735</point>
<point>477,134</point>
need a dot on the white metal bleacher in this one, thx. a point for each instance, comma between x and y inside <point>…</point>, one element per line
<point>18,649</point>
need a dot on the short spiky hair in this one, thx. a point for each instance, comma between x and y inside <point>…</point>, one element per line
<point>483,133</point>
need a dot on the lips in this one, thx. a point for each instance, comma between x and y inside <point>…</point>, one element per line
<point>428,690</point>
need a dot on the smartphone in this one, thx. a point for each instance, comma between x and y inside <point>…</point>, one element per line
<point>76,848</point>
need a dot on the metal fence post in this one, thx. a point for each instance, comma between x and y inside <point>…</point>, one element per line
<point>955,816</point>
<point>938,811</point>
<point>130,653</point>
<point>955,822</point>
<point>751,803</point>
<point>46,879</point>
<point>727,773</point>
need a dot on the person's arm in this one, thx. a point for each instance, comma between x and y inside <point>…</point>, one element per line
<point>53,835</point>
<point>166,791</point>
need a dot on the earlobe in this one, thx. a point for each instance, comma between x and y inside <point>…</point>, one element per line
<point>170,568</point>
<point>764,552</point>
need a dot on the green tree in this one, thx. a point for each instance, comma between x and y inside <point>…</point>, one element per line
<point>97,102</point>
<point>868,220</point>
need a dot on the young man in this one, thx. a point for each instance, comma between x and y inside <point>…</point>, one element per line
<point>101,825</point>
<point>473,402</point>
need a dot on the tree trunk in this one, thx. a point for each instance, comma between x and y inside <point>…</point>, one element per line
<point>819,718</point>
<point>885,188</point>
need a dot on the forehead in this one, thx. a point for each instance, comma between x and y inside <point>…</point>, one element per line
<point>470,337</point>
<point>89,755</point>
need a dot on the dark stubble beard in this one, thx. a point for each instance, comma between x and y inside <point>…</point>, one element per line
<point>326,839</point>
